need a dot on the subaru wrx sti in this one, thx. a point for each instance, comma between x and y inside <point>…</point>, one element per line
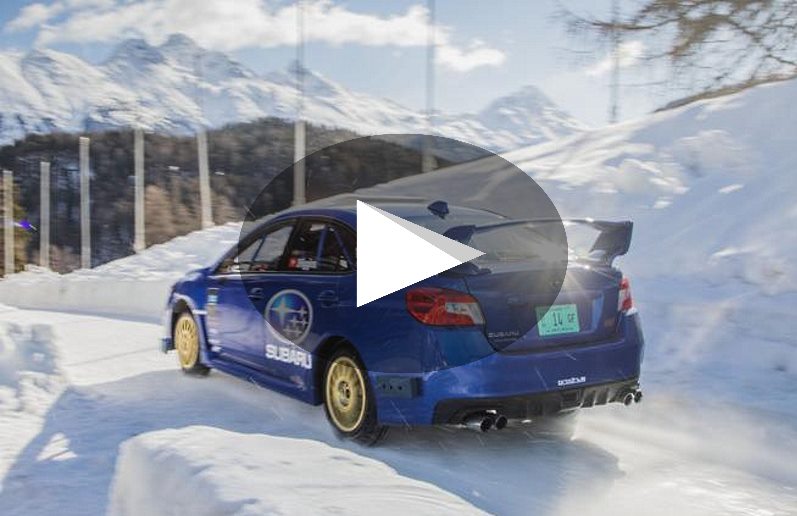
<point>478,345</point>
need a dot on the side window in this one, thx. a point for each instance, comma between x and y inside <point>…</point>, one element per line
<point>322,247</point>
<point>338,251</point>
<point>242,261</point>
<point>269,255</point>
<point>303,254</point>
<point>261,255</point>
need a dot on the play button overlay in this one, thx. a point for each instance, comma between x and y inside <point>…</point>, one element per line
<point>347,230</point>
<point>393,253</point>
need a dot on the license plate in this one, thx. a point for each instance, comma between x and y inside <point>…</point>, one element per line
<point>557,320</point>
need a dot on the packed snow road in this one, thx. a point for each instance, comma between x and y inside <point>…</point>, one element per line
<point>73,388</point>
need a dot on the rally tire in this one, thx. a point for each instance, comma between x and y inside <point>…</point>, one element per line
<point>349,401</point>
<point>185,335</point>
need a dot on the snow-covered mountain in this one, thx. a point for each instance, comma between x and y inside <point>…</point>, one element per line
<point>178,86</point>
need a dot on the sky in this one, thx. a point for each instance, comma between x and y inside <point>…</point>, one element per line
<point>485,48</point>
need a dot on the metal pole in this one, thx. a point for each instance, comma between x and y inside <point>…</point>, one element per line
<point>8,221</point>
<point>299,130</point>
<point>205,202</point>
<point>140,241</point>
<point>614,87</point>
<point>85,205</point>
<point>428,161</point>
<point>44,214</point>
<point>299,174</point>
<point>204,178</point>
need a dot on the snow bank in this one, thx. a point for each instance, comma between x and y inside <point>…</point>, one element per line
<point>133,286</point>
<point>27,356</point>
<point>30,381</point>
<point>201,470</point>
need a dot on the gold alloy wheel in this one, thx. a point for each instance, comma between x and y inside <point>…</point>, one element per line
<point>186,341</point>
<point>345,394</point>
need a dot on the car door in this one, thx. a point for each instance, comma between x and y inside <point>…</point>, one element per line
<point>237,295</point>
<point>303,305</point>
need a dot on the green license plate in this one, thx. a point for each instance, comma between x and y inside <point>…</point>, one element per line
<point>557,319</point>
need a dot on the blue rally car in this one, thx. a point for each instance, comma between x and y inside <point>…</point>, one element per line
<point>471,346</point>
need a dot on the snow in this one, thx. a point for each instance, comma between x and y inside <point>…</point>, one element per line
<point>179,86</point>
<point>113,417</point>
<point>135,286</point>
<point>711,190</point>
<point>261,474</point>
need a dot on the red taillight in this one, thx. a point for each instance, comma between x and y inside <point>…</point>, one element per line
<point>443,307</point>
<point>625,302</point>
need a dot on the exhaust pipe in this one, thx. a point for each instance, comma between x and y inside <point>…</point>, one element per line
<point>479,422</point>
<point>500,422</point>
<point>633,396</point>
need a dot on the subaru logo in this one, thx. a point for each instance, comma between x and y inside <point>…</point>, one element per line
<point>290,313</point>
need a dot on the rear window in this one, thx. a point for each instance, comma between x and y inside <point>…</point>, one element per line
<point>580,238</point>
<point>538,242</point>
<point>518,243</point>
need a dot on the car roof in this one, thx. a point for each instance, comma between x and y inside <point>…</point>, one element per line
<point>345,209</point>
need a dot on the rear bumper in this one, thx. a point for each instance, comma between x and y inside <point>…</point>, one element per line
<point>529,406</point>
<point>518,385</point>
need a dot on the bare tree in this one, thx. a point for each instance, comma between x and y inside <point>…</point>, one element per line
<point>712,45</point>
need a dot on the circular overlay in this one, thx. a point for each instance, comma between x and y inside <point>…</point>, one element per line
<point>296,256</point>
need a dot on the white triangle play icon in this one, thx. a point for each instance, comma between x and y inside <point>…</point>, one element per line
<point>393,253</point>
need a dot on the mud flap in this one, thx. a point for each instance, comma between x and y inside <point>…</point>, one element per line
<point>166,344</point>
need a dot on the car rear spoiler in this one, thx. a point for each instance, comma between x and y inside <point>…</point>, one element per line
<point>614,239</point>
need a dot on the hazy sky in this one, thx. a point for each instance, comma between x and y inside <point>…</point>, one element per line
<point>486,48</point>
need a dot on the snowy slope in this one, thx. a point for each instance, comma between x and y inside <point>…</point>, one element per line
<point>178,86</point>
<point>709,186</point>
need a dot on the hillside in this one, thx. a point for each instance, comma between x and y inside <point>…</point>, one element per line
<point>243,157</point>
